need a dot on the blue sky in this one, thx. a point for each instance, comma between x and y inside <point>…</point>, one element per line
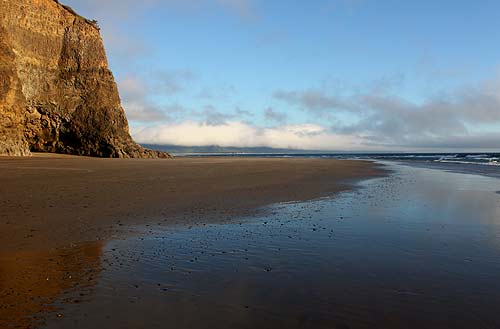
<point>325,74</point>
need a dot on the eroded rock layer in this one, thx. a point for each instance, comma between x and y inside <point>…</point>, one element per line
<point>57,93</point>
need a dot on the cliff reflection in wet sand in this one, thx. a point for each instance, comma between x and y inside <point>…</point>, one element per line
<point>31,280</point>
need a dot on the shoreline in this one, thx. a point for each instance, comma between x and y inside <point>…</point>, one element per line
<point>460,168</point>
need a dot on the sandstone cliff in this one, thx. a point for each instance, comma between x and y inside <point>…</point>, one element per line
<point>57,93</point>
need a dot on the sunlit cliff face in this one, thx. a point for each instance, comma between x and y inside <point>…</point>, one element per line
<point>57,93</point>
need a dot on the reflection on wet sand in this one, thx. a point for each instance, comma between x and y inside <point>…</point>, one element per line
<point>31,280</point>
<point>417,249</point>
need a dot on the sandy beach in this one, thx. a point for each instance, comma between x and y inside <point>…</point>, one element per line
<point>414,249</point>
<point>58,211</point>
<point>52,201</point>
<point>94,243</point>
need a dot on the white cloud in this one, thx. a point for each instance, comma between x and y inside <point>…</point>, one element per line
<point>240,134</point>
<point>463,119</point>
<point>382,121</point>
<point>145,112</point>
<point>212,117</point>
<point>381,118</point>
<point>135,94</point>
<point>132,88</point>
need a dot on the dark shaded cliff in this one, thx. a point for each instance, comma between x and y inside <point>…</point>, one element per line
<point>57,93</point>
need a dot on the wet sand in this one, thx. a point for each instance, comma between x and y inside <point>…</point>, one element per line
<point>416,249</point>
<point>56,212</point>
<point>31,281</point>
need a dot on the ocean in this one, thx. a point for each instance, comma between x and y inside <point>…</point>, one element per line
<point>489,159</point>
<point>487,164</point>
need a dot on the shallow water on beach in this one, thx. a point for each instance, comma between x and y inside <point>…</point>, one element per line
<point>417,249</point>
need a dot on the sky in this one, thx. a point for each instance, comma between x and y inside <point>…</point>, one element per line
<point>336,75</point>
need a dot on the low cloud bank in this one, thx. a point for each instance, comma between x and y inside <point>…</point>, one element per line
<point>240,134</point>
<point>302,137</point>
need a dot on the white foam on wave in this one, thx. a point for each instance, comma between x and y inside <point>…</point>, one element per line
<point>489,163</point>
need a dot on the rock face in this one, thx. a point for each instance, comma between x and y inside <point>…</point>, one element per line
<point>57,93</point>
